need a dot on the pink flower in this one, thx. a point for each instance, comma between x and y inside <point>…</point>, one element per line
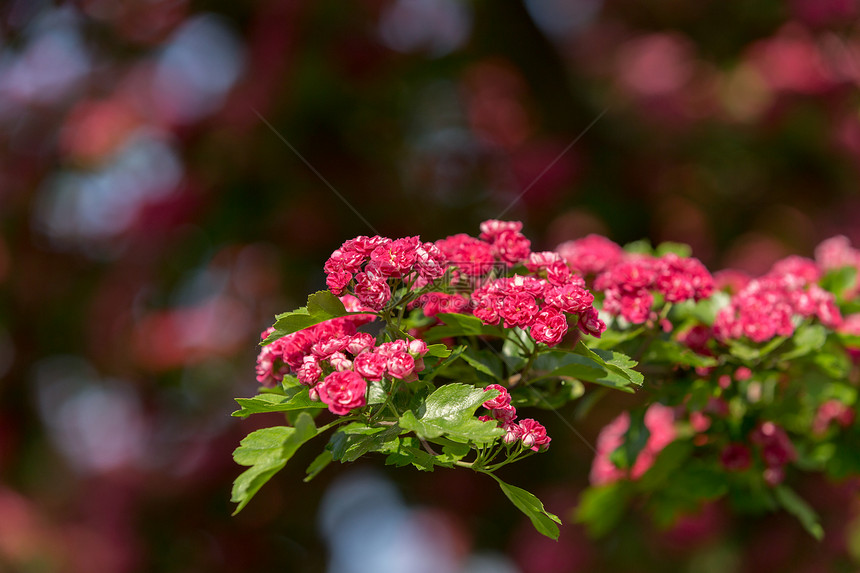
<point>511,247</point>
<point>513,432</point>
<point>270,365</point>
<point>504,414</point>
<point>534,435</point>
<point>401,365</point>
<point>519,309</point>
<point>395,259</point>
<point>417,347</point>
<point>337,281</point>
<point>340,362</point>
<point>310,371</point>
<point>830,411</point>
<point>659,420</point>
<point>569,297</point>
<point>549,326</point>
<point>681,279</point>
<point>836,252</point>
<point>500,401</point>
<point>611,437</point>
<point>359,342</point>
<point>430,261</point>
<point>372,290</point>
<point>470,255</point>
<point>590,255</point>
<point>492,228</point>
<point>370,365</point>
<point>590,323</point>
<point>342,392</point>
<point>538,261</point>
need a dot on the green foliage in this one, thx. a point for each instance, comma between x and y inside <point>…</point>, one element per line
<point>322,306</point>
<point>449,411</point>
<point>542,520</point>
<point>295,398</point>
<point>267,452</point>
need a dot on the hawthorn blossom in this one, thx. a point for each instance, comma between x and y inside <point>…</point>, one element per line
<point>342,392</point>
<point>500,401</point>
<point>533,435</point>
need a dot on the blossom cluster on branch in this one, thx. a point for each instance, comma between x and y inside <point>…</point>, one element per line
<point>744,382</point>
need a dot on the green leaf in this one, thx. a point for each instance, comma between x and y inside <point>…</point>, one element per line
<point>483,361</point>
<point>295,398</point>
<point>437,350</point>
<point>616,362</point>
<point>461,325</point>
<point>838,281</point>
<point>604,367</point>
<point>267,452</point>
<point>667,247</point>
<point>601,508</point>
<point>449,411</point>
<point>354,440</point>
<point>749,353</point>
<point>670,352</point>
<point>408,451</point>
<point>319,464</point>
<point>669,461</point>
<point>806,339</point>
<point>545,522</point>
<point>322,306</point>
<point>642,247</point>
<point>796,506</point>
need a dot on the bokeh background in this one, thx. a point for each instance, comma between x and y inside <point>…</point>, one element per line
<point>175,172</point>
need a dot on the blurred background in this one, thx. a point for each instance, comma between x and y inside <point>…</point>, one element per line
<point>171,174</point>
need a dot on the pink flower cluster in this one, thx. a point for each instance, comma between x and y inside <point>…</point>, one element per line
<point>629,284</point>
<point>659,420</point>
<point>772,305</point>
<point>776,451</point>
<point>499,242</point>
<point>540,305</point>
<point>836,253</point>
<point>365,265</point>
<point>531,433</point>
<point>591,255</point>
<point>336,362</point>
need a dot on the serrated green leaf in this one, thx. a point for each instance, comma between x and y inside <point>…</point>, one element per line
<point>319,464</point>
<point>449,411</point>
<point>267,452</point>
<point>543,521</point>
<point>604,367</point>
<point>322,306</point>
<point>294,398</point>
<point>601,508</point>
<point>461,325</point>
<point>437,350</point>
<point>796,506</point>
<point>615,362</point>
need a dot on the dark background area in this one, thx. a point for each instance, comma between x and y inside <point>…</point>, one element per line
<point>157,209</point>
